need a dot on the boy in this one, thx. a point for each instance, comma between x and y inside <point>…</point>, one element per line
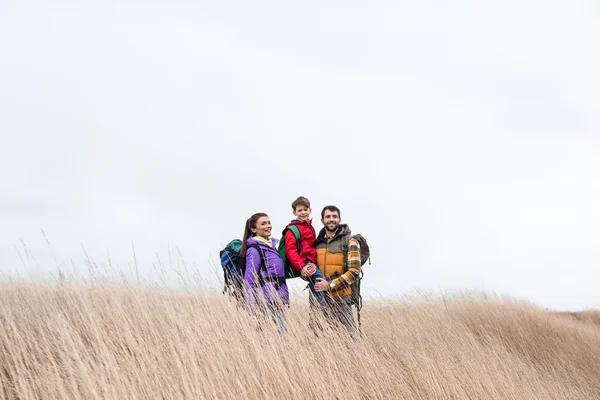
<point>303,257</point>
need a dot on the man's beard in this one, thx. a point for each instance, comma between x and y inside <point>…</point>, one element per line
<point>335,227</point>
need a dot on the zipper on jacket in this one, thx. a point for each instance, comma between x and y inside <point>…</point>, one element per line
<point>325,258</point>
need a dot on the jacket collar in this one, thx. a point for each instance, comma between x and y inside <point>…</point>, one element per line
<point>342,230</point>
<point>298,222</point>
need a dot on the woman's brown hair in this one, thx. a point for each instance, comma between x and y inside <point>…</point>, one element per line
<point>250,223</point>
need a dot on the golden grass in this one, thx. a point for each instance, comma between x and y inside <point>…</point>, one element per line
<point>100,341</point>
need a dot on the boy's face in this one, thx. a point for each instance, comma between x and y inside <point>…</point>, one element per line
<point>302,213</point>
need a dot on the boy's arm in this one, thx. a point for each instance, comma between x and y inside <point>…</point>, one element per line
<point>291,251</point>
<point>350,276</point>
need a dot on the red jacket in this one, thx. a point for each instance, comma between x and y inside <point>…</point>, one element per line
<point>308,251</point>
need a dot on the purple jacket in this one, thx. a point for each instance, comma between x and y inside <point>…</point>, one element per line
<point>274,268</point>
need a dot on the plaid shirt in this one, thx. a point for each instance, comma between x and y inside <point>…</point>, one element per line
<point>353,273</point>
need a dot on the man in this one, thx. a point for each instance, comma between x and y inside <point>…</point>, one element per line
<point>338,258</point>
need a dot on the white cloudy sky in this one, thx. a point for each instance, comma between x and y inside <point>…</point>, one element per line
<point>470,129</point>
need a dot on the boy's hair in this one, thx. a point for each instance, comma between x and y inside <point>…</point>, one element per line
<point>300,201</point>
<point>332,209</point>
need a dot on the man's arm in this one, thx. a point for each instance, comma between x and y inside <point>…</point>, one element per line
<point>353,273</point>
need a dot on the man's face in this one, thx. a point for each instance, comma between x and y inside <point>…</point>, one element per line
<point>331,220</point>
<point>302,213</point>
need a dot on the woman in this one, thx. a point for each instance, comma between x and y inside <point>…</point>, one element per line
<point>264,278</point>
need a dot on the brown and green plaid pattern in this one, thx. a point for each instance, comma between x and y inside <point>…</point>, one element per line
<point>350,276</point>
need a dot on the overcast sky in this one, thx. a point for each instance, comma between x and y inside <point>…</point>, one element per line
<point>462,139</point>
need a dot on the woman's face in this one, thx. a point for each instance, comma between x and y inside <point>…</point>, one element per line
<point>263,227</point>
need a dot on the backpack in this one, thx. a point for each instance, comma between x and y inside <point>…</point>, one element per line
<point>233,268</point>
<point>365,254</point>
<point>290,272</point>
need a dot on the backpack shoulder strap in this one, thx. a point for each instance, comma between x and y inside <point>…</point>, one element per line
<point>296,233</point>
<point>263,259</point>
<point>345,240</point>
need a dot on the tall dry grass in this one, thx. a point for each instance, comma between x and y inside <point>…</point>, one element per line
<point>97,341</point>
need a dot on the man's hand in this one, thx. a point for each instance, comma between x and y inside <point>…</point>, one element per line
<point>308,270</point>
<point>321,285</point>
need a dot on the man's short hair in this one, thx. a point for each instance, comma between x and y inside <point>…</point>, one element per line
<point>332,209</point>
<point>300,201</point>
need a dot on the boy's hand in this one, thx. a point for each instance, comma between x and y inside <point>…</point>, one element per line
<point>308,270</point>
<point>303,273</point>
<point>321,285</point>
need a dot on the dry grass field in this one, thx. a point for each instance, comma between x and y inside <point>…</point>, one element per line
<point>102,341</point>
